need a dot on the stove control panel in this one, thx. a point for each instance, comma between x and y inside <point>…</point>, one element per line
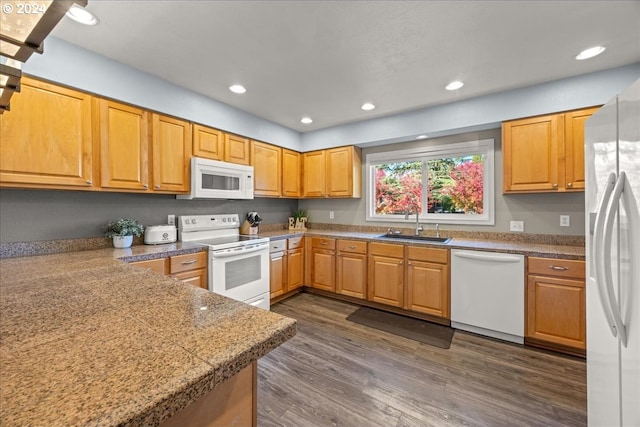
<point>189,223</point>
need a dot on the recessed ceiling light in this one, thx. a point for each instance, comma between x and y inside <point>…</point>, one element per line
<point>421,137</point>
<point>367,106</point>
<point>454,85</point>
<point>306,120</point>
<point>237,89</point>
<point>82,15</point>
<point>590,53</point>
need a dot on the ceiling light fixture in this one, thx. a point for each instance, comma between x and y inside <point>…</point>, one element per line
<point>590,53</point>
<point>306,120</point>
<point>82,16</point>
<point>367,106</point>
<point>454,85</point>
<point>237,89</point>
<point>421,137</point>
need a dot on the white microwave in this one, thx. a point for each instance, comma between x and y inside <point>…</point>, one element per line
<point>212,179</point>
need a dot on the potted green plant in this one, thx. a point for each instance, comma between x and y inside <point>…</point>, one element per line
<point>122,231</point>
<point>298,220</point>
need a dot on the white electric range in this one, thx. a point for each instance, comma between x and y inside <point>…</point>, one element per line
<point>238,265</point>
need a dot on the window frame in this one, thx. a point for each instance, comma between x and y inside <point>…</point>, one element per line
<point>484,147</point>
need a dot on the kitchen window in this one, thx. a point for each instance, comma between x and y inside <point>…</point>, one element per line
<point>448,184</point>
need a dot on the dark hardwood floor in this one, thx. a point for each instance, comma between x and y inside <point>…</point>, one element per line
<point>338,373</point>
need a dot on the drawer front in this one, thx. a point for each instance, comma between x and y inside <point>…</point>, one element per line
<point>353,246</point>
<point>385,249</point>
<point>557,267</point>
<point>278,245</point>
<point>440,256</point>
<point>188,262</point>
<point>296,242</point>
<point>323,243</point>
<point>160,265</point>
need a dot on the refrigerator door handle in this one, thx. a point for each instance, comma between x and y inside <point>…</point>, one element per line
<point>612,210</point>
<point>597,254</point>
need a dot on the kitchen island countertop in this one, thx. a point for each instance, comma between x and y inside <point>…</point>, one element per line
<point>86,339</point>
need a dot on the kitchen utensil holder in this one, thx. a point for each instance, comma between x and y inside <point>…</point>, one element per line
<point>247,229</point>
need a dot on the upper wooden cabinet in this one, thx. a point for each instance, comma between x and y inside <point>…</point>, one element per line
<point>208,143</point>
<point>544,153</point>
<point>47,138</point>
<point>237,149</point>
<point>344,172</point>
<point>123,134</point>
<point>290,173</point>
<point>267,167</point>
<point>332,173</point>
<point>171,153</point>
<point>313,169</point>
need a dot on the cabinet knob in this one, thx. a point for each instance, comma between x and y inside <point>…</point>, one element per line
<point>409,263</point>
<point>555,185</point>
<point>146,186</point>
<point>89,182</point>
<point>570,184</point>
<point>400,263</point>
<point>157,187</point>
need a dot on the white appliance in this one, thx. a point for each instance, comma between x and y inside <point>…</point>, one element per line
<point>159,234</point>
<point>487,294</point>
<point>612,169</point>
<point>238,265</point>
<point>212,179</point>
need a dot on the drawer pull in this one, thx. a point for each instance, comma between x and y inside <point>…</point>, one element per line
<point>193,261</point>
<point>323,243</point>
<point>277,247</point>
<point>558,268</point>
<point>352,247</point>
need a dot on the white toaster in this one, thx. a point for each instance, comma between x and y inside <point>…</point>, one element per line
<point>159,234</point>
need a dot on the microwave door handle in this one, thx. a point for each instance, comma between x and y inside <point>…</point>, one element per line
<point>240,251</point>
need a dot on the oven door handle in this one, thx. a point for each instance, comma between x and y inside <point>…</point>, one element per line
<point>239,251</point>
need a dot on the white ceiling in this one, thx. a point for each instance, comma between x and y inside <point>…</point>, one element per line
<point>325,58</point>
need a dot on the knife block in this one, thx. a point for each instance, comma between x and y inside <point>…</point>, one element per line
<point>247,229</point>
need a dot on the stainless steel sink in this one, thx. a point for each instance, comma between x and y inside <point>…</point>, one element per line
<point>412,237</point>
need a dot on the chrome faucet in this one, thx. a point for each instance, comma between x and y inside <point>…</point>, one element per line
<point>438,231</point>
<point>418,225</point>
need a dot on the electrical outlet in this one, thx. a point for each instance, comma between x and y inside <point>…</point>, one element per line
<point>565,220</point>
<point>516,226</point>
<point>171,219</point>
<point>331,215</point>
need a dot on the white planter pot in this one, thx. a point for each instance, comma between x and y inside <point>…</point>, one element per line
<point>122,241</point>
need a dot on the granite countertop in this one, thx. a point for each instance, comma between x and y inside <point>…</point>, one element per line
<point>88,340</point>
<point>529,246</point>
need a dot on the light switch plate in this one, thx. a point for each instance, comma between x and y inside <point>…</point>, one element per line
<point>516,226</point>
<point>565,220</point>
<point>171,219</point>
<point>331,215</point>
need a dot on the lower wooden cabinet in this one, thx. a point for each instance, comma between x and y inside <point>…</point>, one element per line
<point>189,268</point>
<point>295,268</point>
<point>323,264</point>
<point>286,266</point>
<point>428,289</point>
<point>386,274</point>
<point>556,303</point>
<point>351,268</point>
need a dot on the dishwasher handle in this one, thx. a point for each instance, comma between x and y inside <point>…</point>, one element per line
<point>486,257</point>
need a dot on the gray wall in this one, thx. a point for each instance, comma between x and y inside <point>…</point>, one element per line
<point>540,212</point>
<point>31,215</point>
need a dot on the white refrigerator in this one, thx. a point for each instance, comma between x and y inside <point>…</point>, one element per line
<point>612,196</point>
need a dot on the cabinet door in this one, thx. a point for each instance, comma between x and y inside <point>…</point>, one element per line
<point>277,274</point>
<point>196,278</point>
<point>323,270</point>
<point>531,153</point>
<point>236,149</point>
<point>46,138</point>
<point>171,154</point>
<point>386,280</point>
<point>556,310</point>
<point>290,173</point>
<point>295,269</point>
<point>313,184</point>
<point>351,275</point>
<point>574,147</point>
<point>343,172</point>
<point>428,288</point>
<point>208,143</point>
<point>267,169</point>
<point>124,146</point>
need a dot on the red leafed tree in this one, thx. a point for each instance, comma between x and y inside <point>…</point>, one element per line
<point>398,192</point>
<point>466,189</point>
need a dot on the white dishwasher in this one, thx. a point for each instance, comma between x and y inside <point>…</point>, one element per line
<point>487,294</point>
